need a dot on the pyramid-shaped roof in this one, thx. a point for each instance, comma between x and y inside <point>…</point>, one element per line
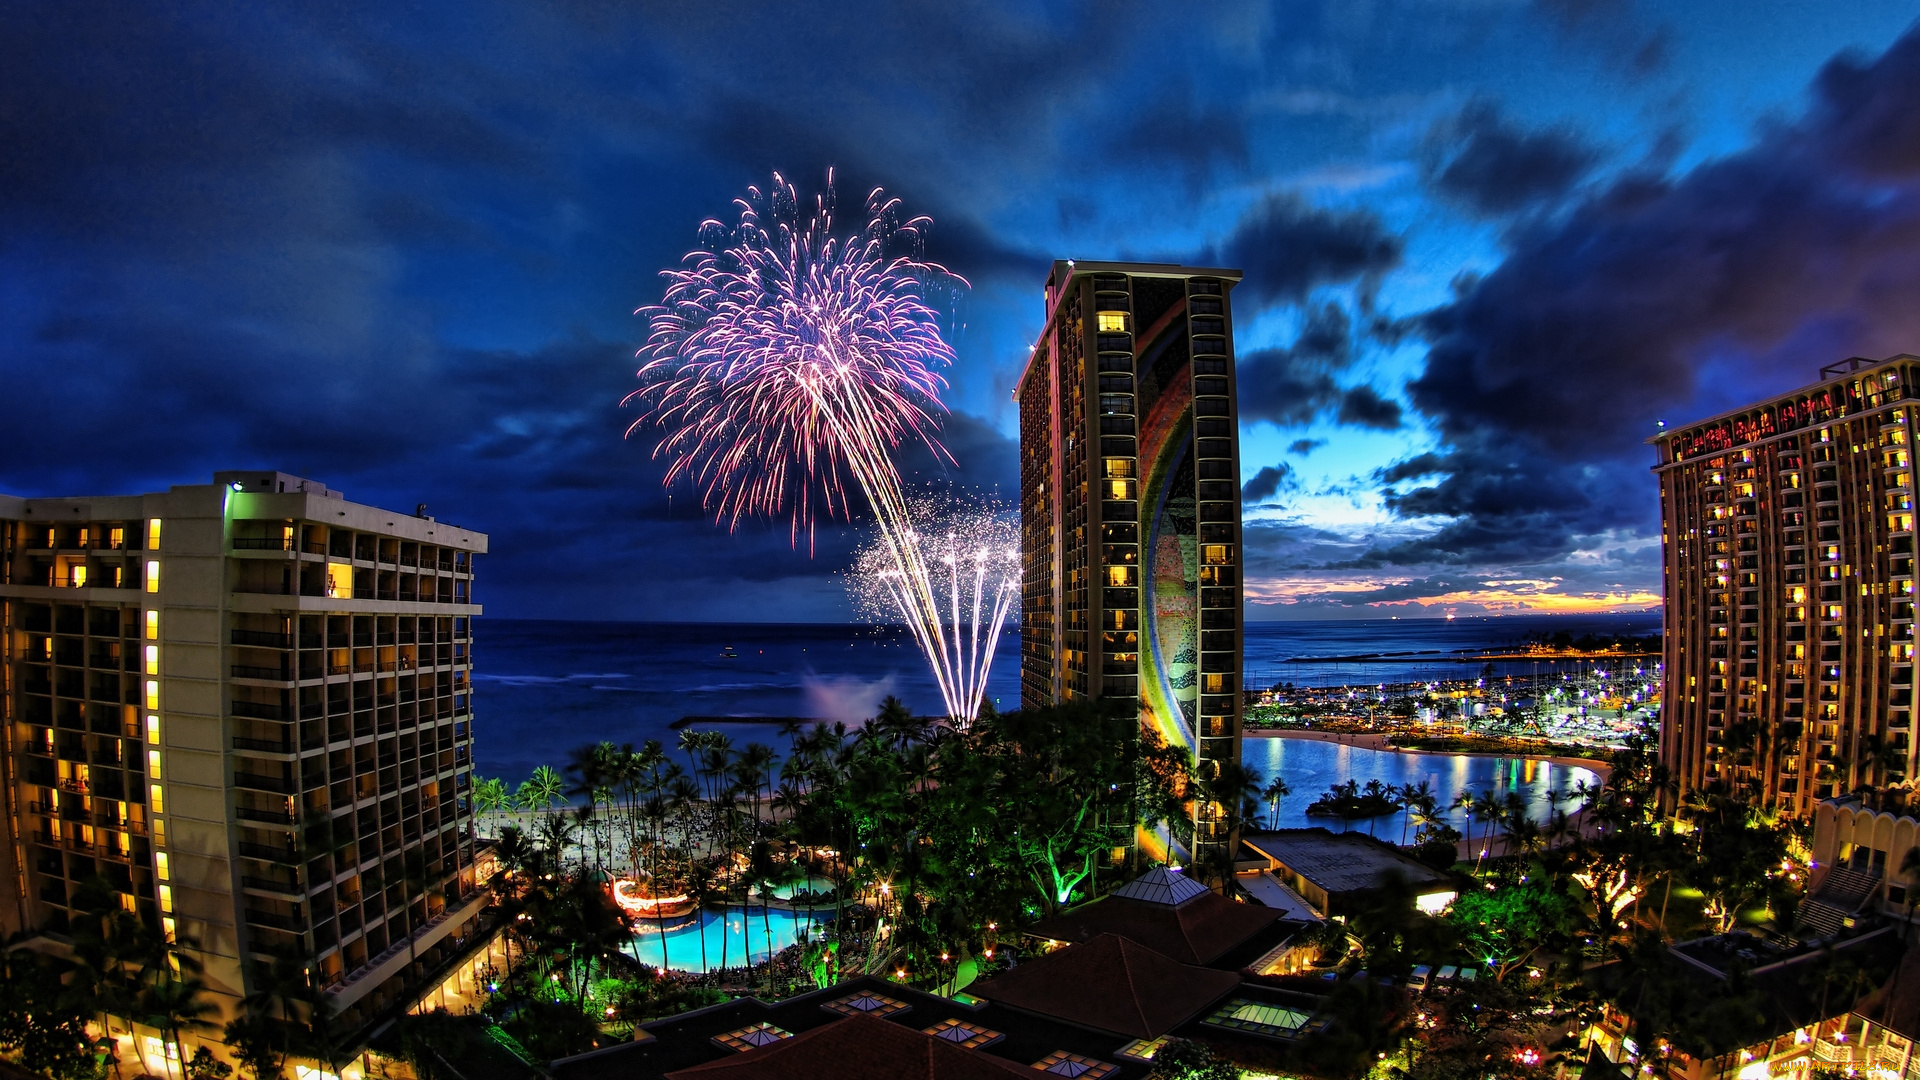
<point>1109,984</point>
<point>1167,912</point>
<point>1162,886</point>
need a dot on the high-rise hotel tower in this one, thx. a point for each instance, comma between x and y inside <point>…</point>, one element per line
<point>1130,504</point>
<point>1788,533</point>
<point>245,706</point>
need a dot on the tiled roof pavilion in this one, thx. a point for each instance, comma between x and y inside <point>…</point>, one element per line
<point>1167,912</point>
<point>1109,984</point>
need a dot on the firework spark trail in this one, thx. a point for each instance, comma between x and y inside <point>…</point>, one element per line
<point>783,360</point>
<point>976,548</point>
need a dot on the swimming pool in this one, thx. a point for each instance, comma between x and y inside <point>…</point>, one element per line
<point>736,938</point>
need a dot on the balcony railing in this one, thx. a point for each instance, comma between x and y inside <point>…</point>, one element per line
<point>262,639</point>
<point>268,854</point>
<point>263,783</point>
<point>268,746</point>
<point>271,674</point>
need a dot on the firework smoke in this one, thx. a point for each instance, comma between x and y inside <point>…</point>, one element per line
<point>971,558</point>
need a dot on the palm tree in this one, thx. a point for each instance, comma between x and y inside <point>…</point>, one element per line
<point>489,796</point>
<point>548,787</point>
<point>700,890</point>
<point>173,1002</point>
<point>271,1012</point>
<point>1489,807</point>
<point>556,834</point>
<point>1410,802</point>
<point>1275,790</point>
<point>418,881</point>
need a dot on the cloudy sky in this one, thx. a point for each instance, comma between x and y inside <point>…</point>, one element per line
<point>1488,244</point>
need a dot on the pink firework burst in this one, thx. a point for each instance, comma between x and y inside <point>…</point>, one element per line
<point>783,361</point>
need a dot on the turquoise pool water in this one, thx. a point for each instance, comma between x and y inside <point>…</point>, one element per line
<point>817,885</point>
<point>742,936</point>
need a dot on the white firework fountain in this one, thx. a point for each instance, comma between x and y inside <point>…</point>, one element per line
<point>968,557</point>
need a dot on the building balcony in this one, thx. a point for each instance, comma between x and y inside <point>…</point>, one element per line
<point>257,782</point>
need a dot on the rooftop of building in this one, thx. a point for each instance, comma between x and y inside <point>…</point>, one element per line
<point>692,1039</point>
<point>1739,952</point>
<point>859,1047</point>
<point>246,489</point>
<point>1343,862</point>
<point>1840,372</point>
<point>1739,991</point>
<point>1167,912</point>
<point>1110,984</point>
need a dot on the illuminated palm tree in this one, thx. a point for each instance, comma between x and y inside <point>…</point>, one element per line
<point>1275,790</point>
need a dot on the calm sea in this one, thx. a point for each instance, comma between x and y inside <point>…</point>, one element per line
<point>542,688</point>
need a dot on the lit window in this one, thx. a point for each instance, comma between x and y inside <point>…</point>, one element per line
<point>153,659</point>
<point>340,581</point>
<point>1119,489</point>
<point>1112,322</point>
<point>153,730</point>
<point>1119,466</point>
<point>1214,684</point>
<point>159,804</point>
<point>79,573</point>
<point>153,534</point>
<point>153,693</point>
<point>1120,575</point>
<point>166,898</point>
<point>1215,554</point>
<point>153,626</point>
<point>153,575</point>
<point>117,537</point>
<point>153,764</point>
<point>160,865</point>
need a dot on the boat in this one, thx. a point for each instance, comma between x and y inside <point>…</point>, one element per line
<point>728,654</point>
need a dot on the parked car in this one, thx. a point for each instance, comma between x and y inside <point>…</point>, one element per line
<point>1421,974</point>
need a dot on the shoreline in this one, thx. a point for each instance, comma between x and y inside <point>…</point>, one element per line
<point>1372,741</point>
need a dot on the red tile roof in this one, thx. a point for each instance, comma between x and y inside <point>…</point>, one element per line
<point>857,1048</point>
<point>1110,984</point>
<point>1199,931</point>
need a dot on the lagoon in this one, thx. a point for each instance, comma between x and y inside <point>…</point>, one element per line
<point>1312,766</point>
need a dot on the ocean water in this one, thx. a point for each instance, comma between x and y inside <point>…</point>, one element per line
<point>542,688</point>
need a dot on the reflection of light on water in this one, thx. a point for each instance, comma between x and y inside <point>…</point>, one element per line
<point>1311,767</point>
<point>743,931</point>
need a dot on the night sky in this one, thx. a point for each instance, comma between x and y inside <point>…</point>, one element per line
<point>1487,246</point>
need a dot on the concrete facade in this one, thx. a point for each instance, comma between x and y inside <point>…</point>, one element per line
<point>245,705</point>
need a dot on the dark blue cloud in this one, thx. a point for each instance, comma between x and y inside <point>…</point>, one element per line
<point>1484,161</point>
<point>397,249</point>
<point>1266,483</point>
<point>1664,297</point>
